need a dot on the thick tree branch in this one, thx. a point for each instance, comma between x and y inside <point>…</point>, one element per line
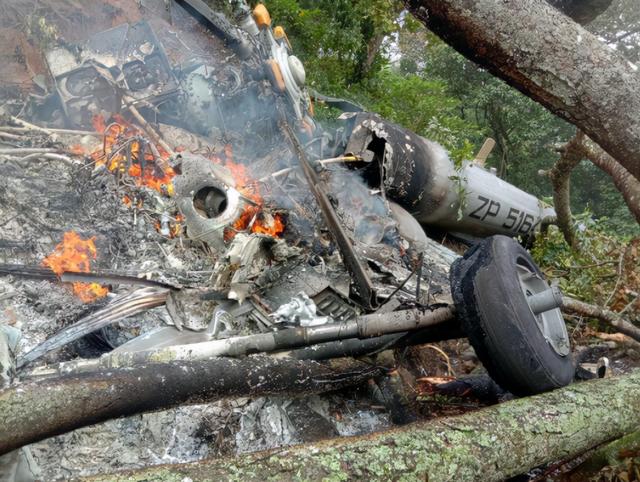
<point>560,175</point>
<point>490,444</point>
<point>550,58</point>
<point>581,147</point>
<point>36,410</point>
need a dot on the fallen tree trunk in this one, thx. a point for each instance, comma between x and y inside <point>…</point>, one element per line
<point>550,58</point>
<point>37,410</point>
<point>490,444</point>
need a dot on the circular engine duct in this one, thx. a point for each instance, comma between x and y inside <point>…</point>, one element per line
<point>207,198</point>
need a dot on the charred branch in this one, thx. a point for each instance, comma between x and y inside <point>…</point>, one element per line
<point>33,411</point>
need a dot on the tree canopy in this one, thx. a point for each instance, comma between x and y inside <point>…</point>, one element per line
<point>376,54</point>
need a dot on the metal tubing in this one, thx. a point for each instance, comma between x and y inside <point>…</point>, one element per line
<point>378,324</point>
<point>367,326</point>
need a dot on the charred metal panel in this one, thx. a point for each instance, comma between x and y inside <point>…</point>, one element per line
<point>207,198</point>
<point>409,165</point>
<point>419,176</point>
<point>127,58</point>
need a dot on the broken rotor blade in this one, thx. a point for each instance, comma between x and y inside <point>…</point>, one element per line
<point>121,307</point>
<point>24,271</point>
<point>97,277</point>
<point>44,273</point>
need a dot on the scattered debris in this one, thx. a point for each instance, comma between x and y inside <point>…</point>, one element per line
<point>182,157</point>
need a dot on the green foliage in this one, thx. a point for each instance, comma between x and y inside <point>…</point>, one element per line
<point>419,82</point>
<point>419,104</point>
<point>589,274</point>
<point>592,189</point>
<point>331,37</point>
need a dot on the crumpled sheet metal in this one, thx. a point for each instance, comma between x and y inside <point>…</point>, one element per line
<point>246,257</point>
<point>415,171</point>
<point>82,77</point>
<point>300,311</point>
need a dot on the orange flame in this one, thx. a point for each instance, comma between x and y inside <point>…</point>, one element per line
<point>143,166</point>
<point>75,254</point>
<point>269,225</point>
<point>274,228</point>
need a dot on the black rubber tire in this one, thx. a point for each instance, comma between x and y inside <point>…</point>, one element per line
<point>495,315</point>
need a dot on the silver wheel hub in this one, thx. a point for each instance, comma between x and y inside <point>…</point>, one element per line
<point>544,302</point>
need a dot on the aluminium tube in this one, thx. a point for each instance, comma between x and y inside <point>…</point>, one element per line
<point>367,326</point>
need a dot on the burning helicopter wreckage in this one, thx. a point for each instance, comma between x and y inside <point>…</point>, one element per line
<point>257,230</point>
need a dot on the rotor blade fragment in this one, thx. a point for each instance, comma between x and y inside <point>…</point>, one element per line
<point>116,279</point>
<point>103,277</point>
<point>120,308</point>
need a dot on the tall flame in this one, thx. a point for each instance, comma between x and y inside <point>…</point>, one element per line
<point>76,254</point>
<point>252,218</point>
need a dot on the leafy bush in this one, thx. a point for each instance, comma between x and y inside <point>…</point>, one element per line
<point>604,271</point>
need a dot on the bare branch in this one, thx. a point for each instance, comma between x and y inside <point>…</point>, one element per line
<point>576,307</point>
<point>560,180</point>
